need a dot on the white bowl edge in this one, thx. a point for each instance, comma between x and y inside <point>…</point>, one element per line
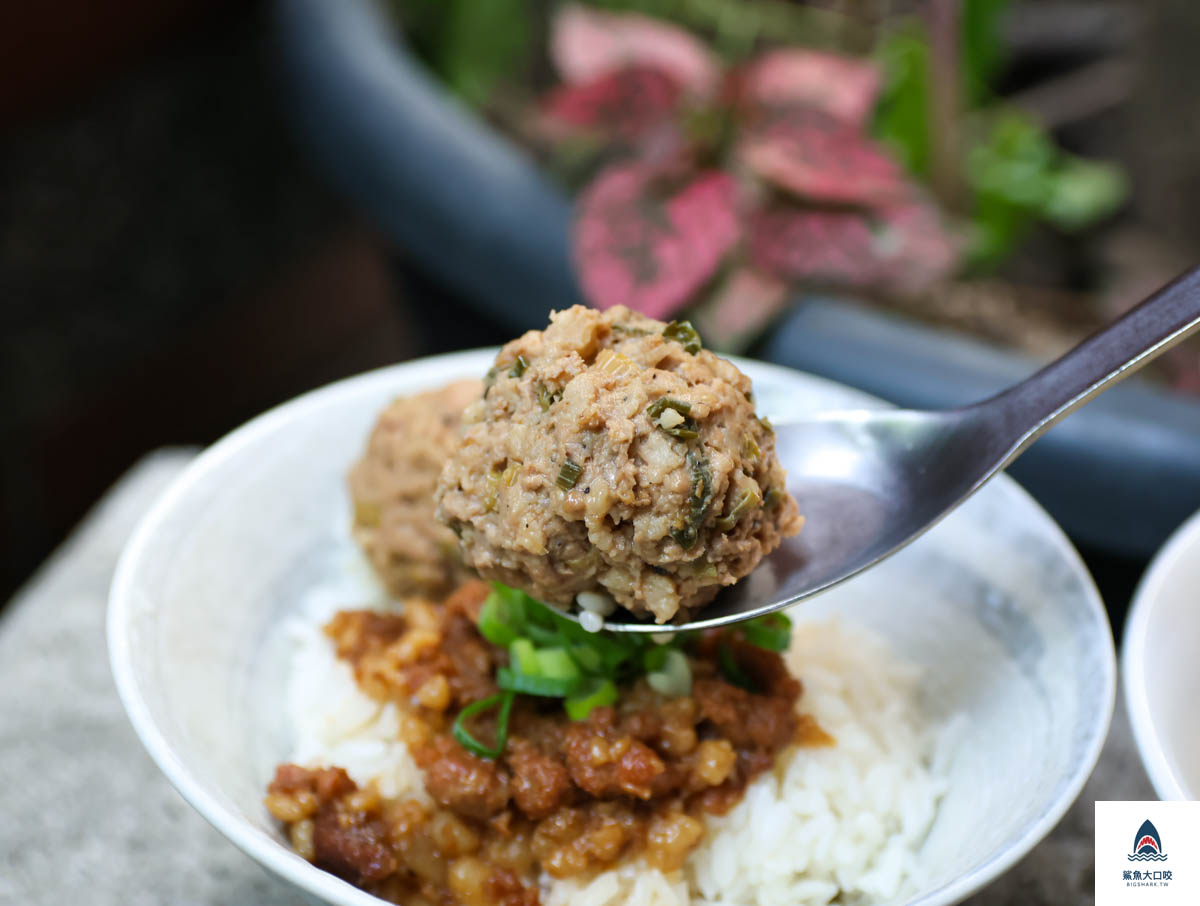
<point>1150,742</point>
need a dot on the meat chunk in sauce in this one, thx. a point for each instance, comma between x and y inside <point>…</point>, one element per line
<point>540,783</point>
<point>466,784</point>
<point>348,838</point>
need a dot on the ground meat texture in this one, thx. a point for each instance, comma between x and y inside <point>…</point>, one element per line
<point>541,782</point>
<point>392,488</point>
<point>606,457</point>
<point>606,762</point>
<point>634,780</point>
<point>343,824</point>
<point>356,849</point>
<point>401,851</point>
<point>429,657</point>
<point>466,784</point>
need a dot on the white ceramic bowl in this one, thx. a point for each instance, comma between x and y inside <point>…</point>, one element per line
<point>1160,665</point>
<point>994,604</point>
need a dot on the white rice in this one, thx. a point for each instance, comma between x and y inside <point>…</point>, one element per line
<point>842,822</point>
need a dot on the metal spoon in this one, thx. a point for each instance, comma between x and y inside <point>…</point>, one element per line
<point>871,481</point>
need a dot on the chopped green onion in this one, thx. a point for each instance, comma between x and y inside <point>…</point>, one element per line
<point>497,621</point>
<point>680,424</point>
<point>656,408</point>
<point>545,686</point>
<point>568,475</point>
<point>699,501</point>
<point>654,658</point>
<point>522,656</point>
<point>552,656</point>
<point>773,498</point>
<point>630,331</point>
<point>539,671</point>
<point>543,635</point>
<point>598,694</point>
<point>556,663</point>
<point>588,658</point>
<point>731,668</point>
<point>685,430</point>
<point>674,678</point>
<point>773,631</point>
<point>750,500</point>
<point>460,732</point>
<point>489,379</point>
<point>766,424</point>
<point>615,363</point>
<point>683,333</point>
<point>750,448</point>
<point>547,397</point>
<point>518,367</point>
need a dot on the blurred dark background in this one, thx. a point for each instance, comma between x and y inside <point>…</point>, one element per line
<point>170,263</point>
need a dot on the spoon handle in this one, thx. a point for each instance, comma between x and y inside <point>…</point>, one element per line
<point>1155,325</point>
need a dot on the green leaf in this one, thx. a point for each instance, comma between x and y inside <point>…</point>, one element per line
<point>902,115</point>
<point>982,50</point>
<point>482,44</point>
<point>1019,176</point>
<point>1083,192</point>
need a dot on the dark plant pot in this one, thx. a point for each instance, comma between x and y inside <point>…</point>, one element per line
<point>472,209</point>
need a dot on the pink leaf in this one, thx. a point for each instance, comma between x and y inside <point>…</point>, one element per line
<point>810,245</point>
<point>843,87</point>
<point>903,248</point>
<point>585,44</point>
<point>809,153</point>
<point>922,250</point>
<point>627,103</point>
<point>634,246</point>
<point>740,310</point>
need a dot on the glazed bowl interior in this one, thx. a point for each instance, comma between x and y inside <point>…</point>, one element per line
<point>993,604</point>
<point>1161,676</point>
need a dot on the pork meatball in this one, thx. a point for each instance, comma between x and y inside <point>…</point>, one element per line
<point>610,453</point>
<point>393,485</point>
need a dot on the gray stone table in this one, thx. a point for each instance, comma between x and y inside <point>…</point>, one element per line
<point>86,818</point>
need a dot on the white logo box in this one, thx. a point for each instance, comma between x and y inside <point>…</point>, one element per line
<point>1164,870</point>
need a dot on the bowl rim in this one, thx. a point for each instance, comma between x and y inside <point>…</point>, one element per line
<point>1146,598</point>
<point>275,856</point>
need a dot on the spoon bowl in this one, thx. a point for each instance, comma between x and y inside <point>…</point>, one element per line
<point>868,482</point>
<point>871,481</point>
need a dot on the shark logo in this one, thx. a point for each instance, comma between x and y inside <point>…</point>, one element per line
<point>1147,845</point>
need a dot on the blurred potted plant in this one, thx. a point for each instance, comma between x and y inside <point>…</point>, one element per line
<point>895,180</point>
<point>730,188</point>
<point>723,179</point>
